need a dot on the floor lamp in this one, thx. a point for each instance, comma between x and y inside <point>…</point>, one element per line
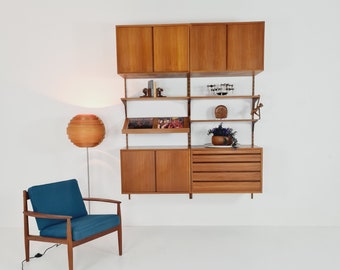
<point>86,130</point>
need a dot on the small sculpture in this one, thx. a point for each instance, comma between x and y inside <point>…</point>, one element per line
<point>159,92</point>
<point>257,110</point>
<point>146,92</point>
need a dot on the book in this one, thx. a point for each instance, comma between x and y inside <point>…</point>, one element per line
<point>152,86</point>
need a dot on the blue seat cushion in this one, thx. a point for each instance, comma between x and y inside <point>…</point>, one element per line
<point>59,198</point>
<point>83,227</point>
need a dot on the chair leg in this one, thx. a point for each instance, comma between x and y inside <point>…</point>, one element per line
<point>27,249</point>
<point>120,240</point>
<point>70,256</point>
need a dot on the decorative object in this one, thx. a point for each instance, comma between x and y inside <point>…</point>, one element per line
<point>86,130</point>
<point>147,92</point>
<point>171,122</point>
<point>140,123</point>
<point>221,111</point>
<point>257,109</point>
<point>177,124</point>
<point>159,92</point>
<point>220,89</point>
<point>223,136</point>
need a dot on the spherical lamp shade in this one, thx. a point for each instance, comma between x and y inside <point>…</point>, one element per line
<point>86,130</point>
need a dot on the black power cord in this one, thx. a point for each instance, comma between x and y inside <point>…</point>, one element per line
<point>38,255</point>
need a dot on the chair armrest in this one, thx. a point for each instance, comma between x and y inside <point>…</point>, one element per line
<point>102,200</point>
<point>42,215</point>
<point>106,201</point>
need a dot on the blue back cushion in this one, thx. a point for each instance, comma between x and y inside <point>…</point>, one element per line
<point>60,198</point>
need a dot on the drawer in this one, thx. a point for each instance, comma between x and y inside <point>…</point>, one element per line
<point>226,151</point>
<point>226,167</point>
<point>227,187</point>
<point>226,158</point>
<point>233,176</point>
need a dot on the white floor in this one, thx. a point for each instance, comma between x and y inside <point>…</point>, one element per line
<point>192,248</point>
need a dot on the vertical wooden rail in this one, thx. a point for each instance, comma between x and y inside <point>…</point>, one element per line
<point>189,107</point>
<point>252,108</point>
<point>125,111</point>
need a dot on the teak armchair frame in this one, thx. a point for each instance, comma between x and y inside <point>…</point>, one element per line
<point>68,240</point>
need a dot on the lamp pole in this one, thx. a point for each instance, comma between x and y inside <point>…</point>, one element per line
<point>86,130</point>
<point>88,177</point>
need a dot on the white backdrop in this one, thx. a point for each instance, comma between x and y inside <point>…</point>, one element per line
<point>57,59</point>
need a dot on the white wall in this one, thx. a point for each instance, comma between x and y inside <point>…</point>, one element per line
<point>57,59</point>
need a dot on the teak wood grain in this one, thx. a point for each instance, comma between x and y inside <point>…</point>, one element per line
<point>138,171</point>
<point>203,49</point>
<point>155,171</point>
<point>226,187</point>
<point>208,47</point>
<point>226,167</point>
<point>171,48</point>
<point>134,49</point>
<point>245,46</point>
<point>173,170</point>
<point>191,50</point>
<point>226,170</point>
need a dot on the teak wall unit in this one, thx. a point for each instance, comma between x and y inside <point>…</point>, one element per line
<point>187,51</point>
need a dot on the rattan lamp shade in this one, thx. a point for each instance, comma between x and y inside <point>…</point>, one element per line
<point>86,130</point>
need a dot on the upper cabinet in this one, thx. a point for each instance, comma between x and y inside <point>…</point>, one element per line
<point>134,49</point>
<point>208,47</point>
<point>172,49</point>
<point>227,47</point>
<point>152,49</point>
<point>245,46</point>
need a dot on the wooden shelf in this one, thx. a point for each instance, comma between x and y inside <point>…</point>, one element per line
<point>255,97</point>
<point>224,120</point>
<point>154,98</point>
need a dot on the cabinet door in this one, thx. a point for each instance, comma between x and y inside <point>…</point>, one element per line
<point>138,171</point>
<point>134,49</point>
<point>172,170</point>
<point>208,47</point>
<point>245,46</point>
<point>171,48</point>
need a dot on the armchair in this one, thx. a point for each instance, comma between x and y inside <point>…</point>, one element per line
<point>61,217</point>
